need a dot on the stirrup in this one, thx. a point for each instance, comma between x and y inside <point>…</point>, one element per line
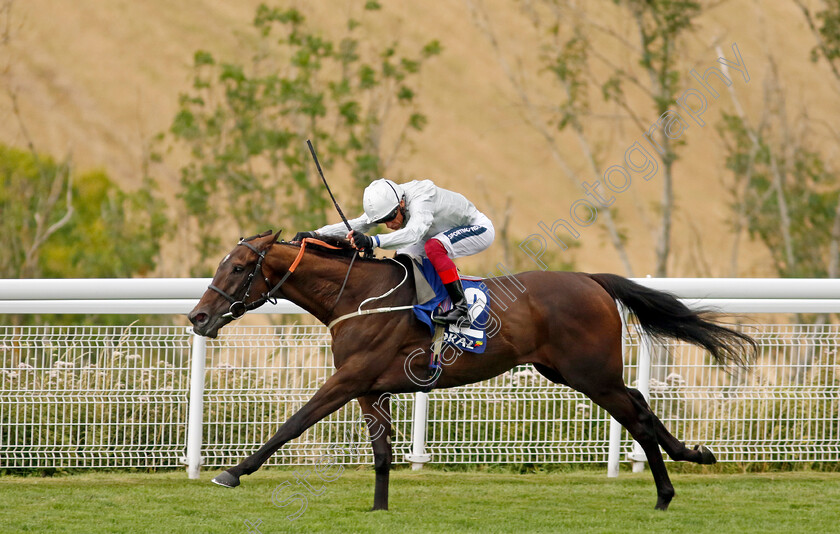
<point>435,369</point>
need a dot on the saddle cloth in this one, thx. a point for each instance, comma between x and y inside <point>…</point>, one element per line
<point>431,294</point>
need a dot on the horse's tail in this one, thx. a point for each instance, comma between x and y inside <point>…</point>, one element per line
<point>661,315</point>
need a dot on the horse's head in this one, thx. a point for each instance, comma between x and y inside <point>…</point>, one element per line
<point>239,285</point>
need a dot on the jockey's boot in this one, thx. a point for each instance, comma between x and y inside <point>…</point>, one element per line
<point>459,313</point>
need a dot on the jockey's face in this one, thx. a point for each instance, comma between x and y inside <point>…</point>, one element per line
<point>397,222</point>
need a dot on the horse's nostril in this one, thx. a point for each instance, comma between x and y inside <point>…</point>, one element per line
<point>199,319</point>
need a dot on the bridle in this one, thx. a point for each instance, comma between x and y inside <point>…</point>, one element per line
<point>238,307</point>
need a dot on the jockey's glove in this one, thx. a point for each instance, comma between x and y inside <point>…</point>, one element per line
<point>300,236</point>
<point>361,241</point>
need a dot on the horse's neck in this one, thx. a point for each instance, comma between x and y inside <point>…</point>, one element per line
<point>316,283</point>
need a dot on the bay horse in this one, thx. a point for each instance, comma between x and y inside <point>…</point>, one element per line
<point>565,324</point>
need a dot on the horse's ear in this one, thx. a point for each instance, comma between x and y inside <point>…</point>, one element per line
<point>276,236</point>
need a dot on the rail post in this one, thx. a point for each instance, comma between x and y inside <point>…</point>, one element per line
<point>614,455</point>
<point>643,384</point>
<point>614,451</point>
<point>195,419</point>
<point>419,424</point>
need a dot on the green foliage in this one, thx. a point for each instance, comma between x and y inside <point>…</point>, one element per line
<point>576,63</point>
<point>809,191</point>
<point>829,32</point>
<point>59,224</point>
<point>115,234</point>
<point>32,196</point>
<point>246,124</point>
<point>569,63</point>
<point>660,23</point>
<point>106,233</point>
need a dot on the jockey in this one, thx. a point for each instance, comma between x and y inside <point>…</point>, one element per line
<point>427,221</point>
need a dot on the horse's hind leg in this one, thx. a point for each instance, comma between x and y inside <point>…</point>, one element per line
<point>620,403</point>
<point>675,448</point>
<point>622,406</point>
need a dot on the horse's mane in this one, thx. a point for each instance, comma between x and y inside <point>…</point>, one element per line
<point>344,250</point>
<point>251,238</point>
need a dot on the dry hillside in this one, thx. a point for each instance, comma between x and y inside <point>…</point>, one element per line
<point>96,79</point>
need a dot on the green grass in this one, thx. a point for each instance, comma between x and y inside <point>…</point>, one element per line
<point>428,501</point>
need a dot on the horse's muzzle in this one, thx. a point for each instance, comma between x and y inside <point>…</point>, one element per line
<point>204,324</point>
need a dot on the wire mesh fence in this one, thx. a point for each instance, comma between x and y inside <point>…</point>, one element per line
<point>92,396</point>
<point>118,397</point>
<point>786,408</point>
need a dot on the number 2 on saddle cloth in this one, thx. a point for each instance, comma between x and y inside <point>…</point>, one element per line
<point>472,338</point>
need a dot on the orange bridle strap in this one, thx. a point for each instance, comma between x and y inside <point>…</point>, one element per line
<point>303,243</point>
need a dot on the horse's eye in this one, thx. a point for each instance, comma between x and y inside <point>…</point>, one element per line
<point>238,269</point>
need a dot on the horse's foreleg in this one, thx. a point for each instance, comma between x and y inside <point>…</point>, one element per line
<point>377,414</point>
<point>335,393</point>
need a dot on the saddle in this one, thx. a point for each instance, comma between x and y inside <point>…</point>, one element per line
<point>432,298</point>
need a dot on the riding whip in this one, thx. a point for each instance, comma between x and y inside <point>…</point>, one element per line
<point>318,165</point>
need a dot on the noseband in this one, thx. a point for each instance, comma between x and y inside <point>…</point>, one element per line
<point>238,307</point>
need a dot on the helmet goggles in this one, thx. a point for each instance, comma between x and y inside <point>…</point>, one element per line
<point>390,217</point>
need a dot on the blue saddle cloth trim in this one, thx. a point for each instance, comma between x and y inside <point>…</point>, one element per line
<point>473,339</point>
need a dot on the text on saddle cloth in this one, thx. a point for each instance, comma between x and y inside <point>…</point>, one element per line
<point>472,338</point>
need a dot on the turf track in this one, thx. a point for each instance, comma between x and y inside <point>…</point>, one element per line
<point>430,501</point>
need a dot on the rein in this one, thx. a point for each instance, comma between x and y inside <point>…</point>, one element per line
<point>238,308</point>
<point>367,312</point>
<point>360,311</point>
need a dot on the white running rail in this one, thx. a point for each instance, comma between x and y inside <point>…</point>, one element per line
<point>141,396</point>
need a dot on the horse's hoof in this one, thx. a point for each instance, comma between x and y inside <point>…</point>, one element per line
<point>227,480</point>
<point>664,499</point>
<point>706,456</point>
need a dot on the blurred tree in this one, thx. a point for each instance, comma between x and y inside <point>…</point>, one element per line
<point>825,25</point>
<point>785,193</point>
<point>37,201</point>
<point>660,24</point>
<point>788,198</point>
<point>576,65</point>
<point>246,126</point>
<point>57,224</point>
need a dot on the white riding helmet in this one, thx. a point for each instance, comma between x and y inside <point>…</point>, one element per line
<point>381,200</point>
